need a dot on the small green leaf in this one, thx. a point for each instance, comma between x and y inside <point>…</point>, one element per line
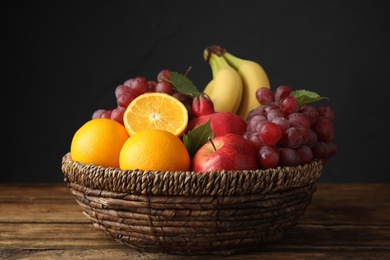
<point>305,96</point>
<point>183,84</point>
<point>197,137</point>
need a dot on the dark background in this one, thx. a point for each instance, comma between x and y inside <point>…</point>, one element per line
<point>63,60</point>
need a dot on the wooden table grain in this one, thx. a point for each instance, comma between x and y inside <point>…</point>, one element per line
<point>344,221</point>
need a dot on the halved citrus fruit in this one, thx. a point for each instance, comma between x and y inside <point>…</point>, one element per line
<point>154,110</point>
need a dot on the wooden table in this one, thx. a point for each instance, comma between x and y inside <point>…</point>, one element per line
<point>343,221</point>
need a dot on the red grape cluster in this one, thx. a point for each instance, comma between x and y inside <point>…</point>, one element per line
<point>288,134</point>
<point>133,87</point>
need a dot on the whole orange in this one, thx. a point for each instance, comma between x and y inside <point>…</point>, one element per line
<point>99,141</point>
<point>154,149</point>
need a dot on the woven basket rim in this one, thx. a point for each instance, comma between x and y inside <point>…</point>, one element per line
<point>190,183</point>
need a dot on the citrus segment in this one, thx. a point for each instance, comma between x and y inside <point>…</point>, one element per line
<point>156,111</point>
<point>154,149</point>
<point>99,141</point>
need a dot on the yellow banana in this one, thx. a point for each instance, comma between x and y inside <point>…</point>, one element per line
<point>253,77</point>
<point>225,88</point>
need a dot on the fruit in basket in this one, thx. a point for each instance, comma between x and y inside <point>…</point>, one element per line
<point>252,76</point>
<point>225,88</point>
<point>281,125</point>
<point>221,123</point>
<point>228,152</point>
<point>154,149</point>
<point>99,141</point>
<point>156,111</point>
<point>133,87</point>
<point>287,130</point>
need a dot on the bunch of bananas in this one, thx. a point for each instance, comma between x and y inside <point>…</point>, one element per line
<point>234,81</point>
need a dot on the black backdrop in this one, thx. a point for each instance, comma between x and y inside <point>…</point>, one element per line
<point>63,60</point>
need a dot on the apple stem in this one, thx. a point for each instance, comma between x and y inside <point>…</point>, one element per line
<point>212,143</point>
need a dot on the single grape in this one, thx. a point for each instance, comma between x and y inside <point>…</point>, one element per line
<point>258,111</point>
<point>185,99</point>
<point>310,111</point>
<point>292,138</point>
<point>124,99</point>
<point>265,95</point>
<point>164,87</point>
<point>320,150</point>
<point>312,140</point>
<point>305,154</point>
<point>151,85</point>
<point>117,114</point>
<point>106,114</point>
<point>121,89</point>
<point>139,86</point>
<point>270,106</point>
<point>324,129</point>
<point>274,113</point>
<point>269,133</point>
<point>254,139</point>
<point>332,149</point>
<point>129,82</point>
<point>288,157</point>
<point>282,122</point>
<point>282,92</point>
<point>305,132</point>
<point>289,105</point>
<point>98,113</point>
<point>299,118</point>
<point>326,111</point>
<point>268,156</point>
<point>254,124</point>
<point>163,74</point>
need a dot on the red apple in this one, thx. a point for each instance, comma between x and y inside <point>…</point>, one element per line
<point>221,123</point>
<point>227,152</point>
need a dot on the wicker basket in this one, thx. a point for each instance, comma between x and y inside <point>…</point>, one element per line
<point>188,213</point>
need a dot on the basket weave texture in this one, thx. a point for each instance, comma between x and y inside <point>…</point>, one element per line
<point>187,213</point>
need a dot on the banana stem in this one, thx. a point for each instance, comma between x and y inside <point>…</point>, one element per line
<point>216,49</point>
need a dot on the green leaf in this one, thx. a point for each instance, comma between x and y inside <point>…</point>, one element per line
<point>305,96</point>
<point>183,84</point>
<point>197,137</point>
